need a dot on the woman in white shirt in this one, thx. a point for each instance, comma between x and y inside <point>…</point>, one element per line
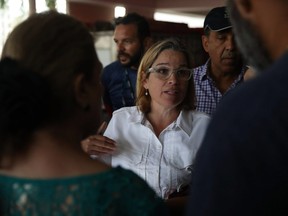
<point>159,137</point>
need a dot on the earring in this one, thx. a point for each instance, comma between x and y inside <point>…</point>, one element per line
<point>146,92</point>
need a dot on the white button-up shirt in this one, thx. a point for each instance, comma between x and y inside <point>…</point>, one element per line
<point>164,162</point>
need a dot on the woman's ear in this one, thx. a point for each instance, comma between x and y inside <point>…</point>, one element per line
<point>81,91</point>
<point>144,80</point>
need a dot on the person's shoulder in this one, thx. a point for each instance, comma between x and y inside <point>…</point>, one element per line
<point>202,67</point>
<point>247,101</point>
<point>200,115</point>
<point>262,88</point>
<point>200,118</point>
<point>113,65</point>
<point>123,173</point>
<point>200,71</point>
<point>133,181</point>
<point>112,70</point>
<point>195,115</point>
<point>192,119</point>
<point>136,189</point>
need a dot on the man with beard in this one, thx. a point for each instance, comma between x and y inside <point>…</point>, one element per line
<point>242,166</point>
<point>132,38</point>
<point>224,69</point>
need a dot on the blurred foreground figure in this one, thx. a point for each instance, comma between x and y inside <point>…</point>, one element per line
<point>241,168</point>
<point>49,100</point>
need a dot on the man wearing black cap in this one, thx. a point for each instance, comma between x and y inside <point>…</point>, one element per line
<point>224,69</point>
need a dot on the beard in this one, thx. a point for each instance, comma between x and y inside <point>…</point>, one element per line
<point>249,42</point>
<point>134,60</point>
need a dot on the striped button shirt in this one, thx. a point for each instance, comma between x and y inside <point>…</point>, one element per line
<point>207,94</point>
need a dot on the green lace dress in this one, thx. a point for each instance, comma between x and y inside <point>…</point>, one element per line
<point>114,192</point>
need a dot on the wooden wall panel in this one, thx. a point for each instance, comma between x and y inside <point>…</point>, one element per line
<point>90,13</point>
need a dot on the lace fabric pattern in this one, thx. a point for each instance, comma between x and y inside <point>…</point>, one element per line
<point>114,192</point>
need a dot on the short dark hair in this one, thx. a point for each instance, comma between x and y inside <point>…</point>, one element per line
<point>37,86</point>
<point>142,24</point>
<point>58,48</point>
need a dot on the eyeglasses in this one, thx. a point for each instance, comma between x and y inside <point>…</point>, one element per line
<point>164,72</point>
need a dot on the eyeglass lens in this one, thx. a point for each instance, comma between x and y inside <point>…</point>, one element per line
<point>166,72</point>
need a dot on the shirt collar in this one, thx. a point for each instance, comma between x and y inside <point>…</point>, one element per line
<point>204,71</point>
<point>241,75</point>
<point>137,116</point>
<point>183,121</point>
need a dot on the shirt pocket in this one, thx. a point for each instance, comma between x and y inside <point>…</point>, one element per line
<point>183,173</point>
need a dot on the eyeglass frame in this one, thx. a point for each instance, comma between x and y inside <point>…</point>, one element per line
<point>153,70</point>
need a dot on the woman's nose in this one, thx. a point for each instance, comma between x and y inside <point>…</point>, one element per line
<point>173,78</point>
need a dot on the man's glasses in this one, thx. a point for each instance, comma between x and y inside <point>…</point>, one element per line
<point>164,72</point>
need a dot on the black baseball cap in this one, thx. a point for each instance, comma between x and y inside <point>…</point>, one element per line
<point>217,19</point>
